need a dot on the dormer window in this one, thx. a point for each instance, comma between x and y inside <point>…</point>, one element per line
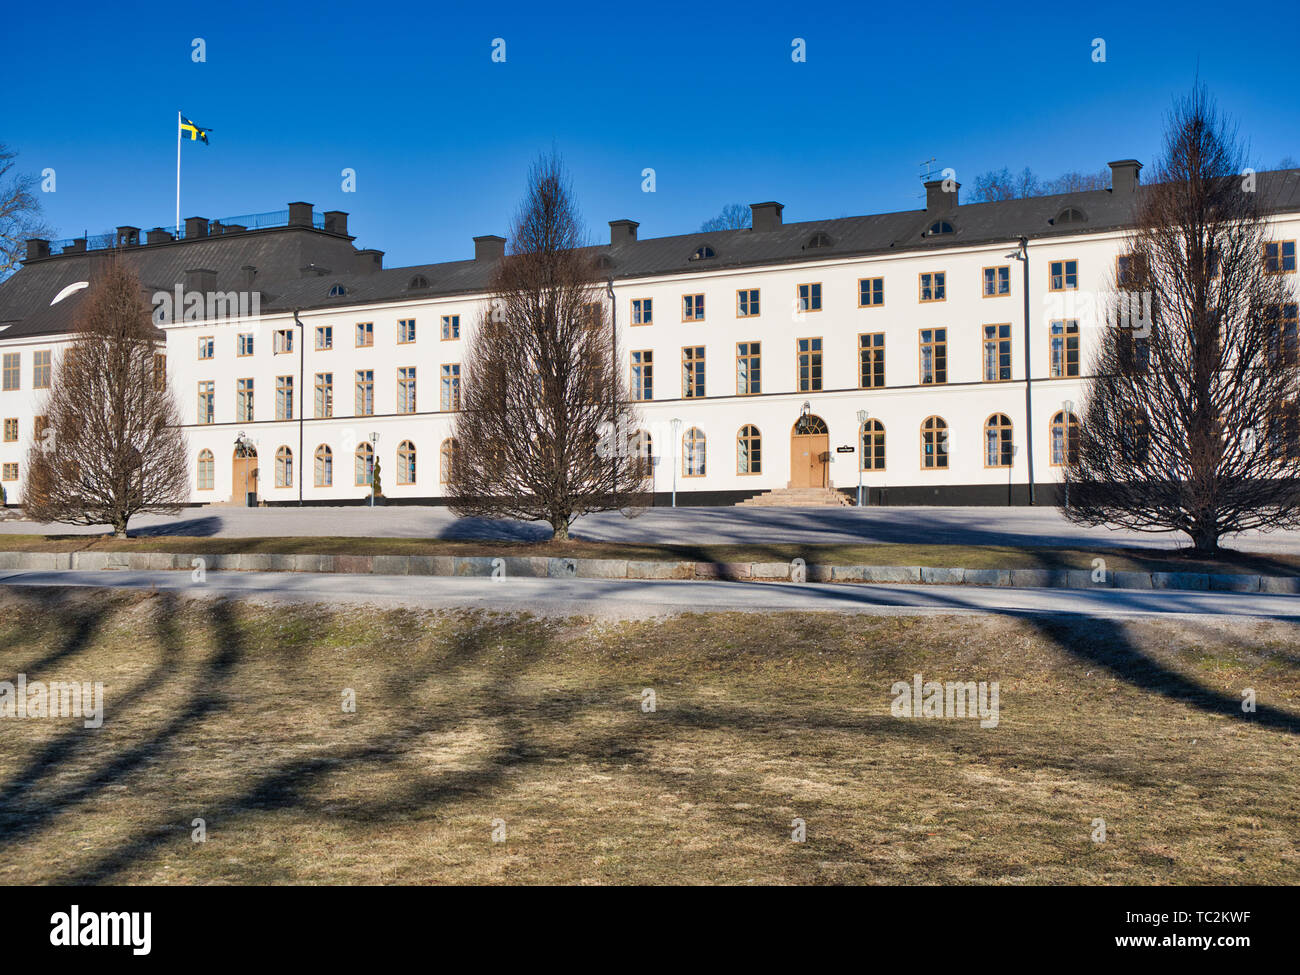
<point>1070,215</point>
<point>603,263</point>
<point>338,291</point>
<point>418,282</point>
<point>703,253</point>
<point>820,239</point>
<point>939,227</point>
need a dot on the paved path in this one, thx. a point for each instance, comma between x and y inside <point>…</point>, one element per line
<point>716,525</point>
<point>634,599</point>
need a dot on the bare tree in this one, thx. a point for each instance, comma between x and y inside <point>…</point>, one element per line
<point>112,444</point>
<point>20,212</point>
<point>1190,422</point>
<point>543,431</point>
<point>1002,184</point>
<point>734,216</point>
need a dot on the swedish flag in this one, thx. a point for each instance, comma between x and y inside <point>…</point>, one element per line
<point>193,131</point>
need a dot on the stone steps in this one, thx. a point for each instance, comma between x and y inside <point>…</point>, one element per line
<point>797,498</point>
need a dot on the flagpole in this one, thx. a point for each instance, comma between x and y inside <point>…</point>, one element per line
<point>178,172</point>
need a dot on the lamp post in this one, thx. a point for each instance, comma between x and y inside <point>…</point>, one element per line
<point>677,429</point>
<point>862,450</point>
<point>1068,406</point>
<point>1022,255</point>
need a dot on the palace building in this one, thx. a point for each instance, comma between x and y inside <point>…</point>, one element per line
<point>935,356</point>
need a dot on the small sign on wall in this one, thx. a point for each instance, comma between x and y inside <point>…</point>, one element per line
<point>844,450</point>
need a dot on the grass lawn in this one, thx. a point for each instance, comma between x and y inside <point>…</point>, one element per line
<point>960,556</point>
<point>231,712</point>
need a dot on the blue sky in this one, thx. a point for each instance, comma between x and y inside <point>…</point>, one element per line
<point>706,94</point>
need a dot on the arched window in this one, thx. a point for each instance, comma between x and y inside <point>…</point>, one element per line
<point>934,443</point>
<point>749,450</point>
<point>284,467</point>
<point>1071,215</point>
<point>642,447</point>
<point>997,441</point>
<point>447,457</point>
<point>820,239</point>
<point>338,291</point>
<point>873,445</point>
<point>418,282</point>
<point>406,462</point>
<point>207,471</point>
<point>693,453</point>
<point>939,227</point>
<point>1065,437</point>
<point>365,464</point>
<point>324,466</point>
<point>703,253</point>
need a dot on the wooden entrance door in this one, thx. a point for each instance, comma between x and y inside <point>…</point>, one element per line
<point>809,443</point>
<point>243,477</point>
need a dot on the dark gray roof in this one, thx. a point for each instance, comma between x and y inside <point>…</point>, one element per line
<point>281,255</point>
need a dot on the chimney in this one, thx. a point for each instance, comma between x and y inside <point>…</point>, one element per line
<point>37,248</point>
<point>157,236</point>
<point>299,214</point>
<point>233,228</point>
<point>76,246</point>
<point>370,261</point>
<point>939,200</point>
<point>201,280</point>
<point>246,275</point>
<point>128,236</point>
<point>622,232</point>
<point>765,216</point>
<point>336,222</point>
<point>196,227</point>
<point>1124,176</point>
<point>489,248</point>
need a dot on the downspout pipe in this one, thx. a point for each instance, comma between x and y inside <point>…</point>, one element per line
<point>1029,380</point>
<point>302,396</point>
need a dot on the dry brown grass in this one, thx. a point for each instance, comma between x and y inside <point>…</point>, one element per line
<point>232,713</point>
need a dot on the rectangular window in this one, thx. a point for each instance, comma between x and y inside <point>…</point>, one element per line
<point>810,297</point>
<point>997,281</point>
<point>160,370</point>
<point>1065,348</point>
<point>207,401</point>
<point>1063,275</point>
<point>324,337</point>
<point>243,401</point>
<point>1282,323</point>
<point>1125,269</point>
<point>450,327</point>
<point>364,393</point>
<point>1279,256</point>
<point>405,331</point>
<point>13,370</point>
<point>244,344</point>
<point>692,308</point>
<point>283,340</point>
<point>933,286</point>
<point>871,360</point>
<point>810,364</point>
<point>871,292</point>
<point>284,397</point>
<point>749,368</point>
<point>406,389</point>
<point>11,429</point>
<point>642,311</point>
<point>934,356</point>
<point>747,303</point>
<point>643,376</point>
<point>450,387</point>
<point>365,335</point>
<point>207,347</point>
<point>324,401</point>
<point>9,472</point>
<point>693,371</point>
<point>41,369</point>
<point>997,353</point>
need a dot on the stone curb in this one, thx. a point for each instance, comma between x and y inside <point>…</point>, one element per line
<point>541,567</point>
